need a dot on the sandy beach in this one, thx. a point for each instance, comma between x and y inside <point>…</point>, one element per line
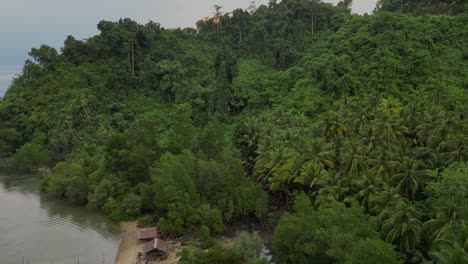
<point>129,247</point>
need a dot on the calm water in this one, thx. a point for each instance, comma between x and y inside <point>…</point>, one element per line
<point>6,75</point>
<point>45,230</point>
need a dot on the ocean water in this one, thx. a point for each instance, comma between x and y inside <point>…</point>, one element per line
<point>7,73</point>
<point>38,229</point>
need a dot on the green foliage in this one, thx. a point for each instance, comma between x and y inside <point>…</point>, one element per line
<point>44,55</point>
<point>450,247</point>
<point>181,182</point>
<point>324,235</point>
<point>402,226</point>
<point>447,199</point>
<point>29,158</point>
<point>215,254</point>
<point>187,255</point>
<point>451,7</point>
<point>132,205</point>
<point>68,180</point>
<point>450,191</point>
<point>373,251</point>
<point>205,237</point>
<point>212,218</point>
<point>205,127</point>
<point>247,247</point>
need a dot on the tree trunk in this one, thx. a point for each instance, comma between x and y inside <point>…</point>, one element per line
<point>133,60</point>
<point>312,24</point>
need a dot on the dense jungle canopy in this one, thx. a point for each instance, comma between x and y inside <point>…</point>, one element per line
<point>346,134</point>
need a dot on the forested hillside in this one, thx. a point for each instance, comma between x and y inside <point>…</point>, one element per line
<point>353,126</point>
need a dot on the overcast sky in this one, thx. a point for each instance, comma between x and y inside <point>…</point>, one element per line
<point>29,23</point>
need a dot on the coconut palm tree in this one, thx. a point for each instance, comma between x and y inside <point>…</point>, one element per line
<point>373,101</point>
<point>371,186</point>
<point>369,140</point>
<point>269,160</point>
<point>456,148</point>
<point>383,165</point>
<point>403,227</point>
<point>291,168</point>
<point>333,126</point>
<point>353,163</point>
<point>310,175</point>
<point>360,122</point>
<point>456,235</point>
<point>411,178</point>
<point>390,107</point>
<point>319,152</point>
<point>335,189</point>
<point>248,136</point>
<point>383,128</point>
<point>454,254</point>
<point>453,245</point>
<point>384,200</point>
<point>429,123</point>
<point>446,219</point>
<point>411,115</point>
<point>437,161</point>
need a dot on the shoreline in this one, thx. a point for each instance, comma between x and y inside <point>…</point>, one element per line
<point>128,247</point>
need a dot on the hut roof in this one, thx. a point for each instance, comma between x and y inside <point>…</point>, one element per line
<point>156,244</point>
<point>147,233</point>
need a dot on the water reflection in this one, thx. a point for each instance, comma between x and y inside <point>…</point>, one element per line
<point>46,230</point>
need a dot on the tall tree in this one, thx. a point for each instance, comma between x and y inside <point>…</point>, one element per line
<point>403,227</point>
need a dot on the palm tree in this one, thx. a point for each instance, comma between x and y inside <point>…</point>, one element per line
<point>360,122</point>
<point>446,218</point>
<point>373,102</point>
<point>386,199</point>
<point>454,254</point>
<point>353,163</point>
<point>333,126</point>
<point>268,161</point>
<point>430,129</point>
<point>411,118</point>
<point>335,189</point>
<point>291,168</point>
<point>456,235</point>
<point>370,186</point>
<point>369,140</point>
<point>390,107</point>
<point>320,152</point>
<point>410,178</point>
<point>383,129</point>
<point>329,194</point>
<point>403,228</point>
<point>384,165</point>
<point>248,136</point>
<point>437,161</point>
<point>456,148</point>
<point>310,174</point>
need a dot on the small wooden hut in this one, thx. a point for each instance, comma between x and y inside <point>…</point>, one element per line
<point>147,234</point>
<point>156,248</point>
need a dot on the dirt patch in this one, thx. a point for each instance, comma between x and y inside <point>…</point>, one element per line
<point>129,247</point>
<point>172,258</point>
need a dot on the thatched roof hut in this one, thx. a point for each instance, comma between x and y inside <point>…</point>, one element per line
<point>147,234</point>
<point>156,247</point>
